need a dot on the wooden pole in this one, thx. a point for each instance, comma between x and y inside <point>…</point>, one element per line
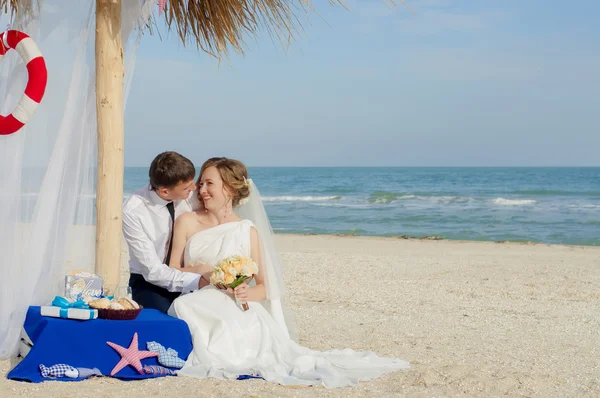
<point>109,106</point>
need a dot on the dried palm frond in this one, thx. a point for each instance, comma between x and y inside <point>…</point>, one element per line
<point>216,26</point>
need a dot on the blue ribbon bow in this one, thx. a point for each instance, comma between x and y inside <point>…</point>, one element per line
<point>64,303</point>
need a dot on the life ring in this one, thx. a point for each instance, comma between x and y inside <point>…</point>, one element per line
<point>36,83</point>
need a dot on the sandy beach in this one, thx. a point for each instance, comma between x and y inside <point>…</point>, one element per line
<point>473,319</point>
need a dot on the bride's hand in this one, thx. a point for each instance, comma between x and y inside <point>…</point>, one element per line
<point>241,292</point>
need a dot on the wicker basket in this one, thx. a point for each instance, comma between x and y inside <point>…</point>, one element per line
<point>119,315</point>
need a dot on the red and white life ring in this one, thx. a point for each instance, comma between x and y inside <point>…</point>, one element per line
<point>36,83</point>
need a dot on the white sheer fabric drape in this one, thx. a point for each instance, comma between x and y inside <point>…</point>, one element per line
<point>48,168</point>
<point>276,302</point>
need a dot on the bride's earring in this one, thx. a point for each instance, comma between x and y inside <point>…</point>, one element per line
<point>227,210</point>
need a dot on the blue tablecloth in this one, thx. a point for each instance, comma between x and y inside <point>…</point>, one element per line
<point>82,344</point>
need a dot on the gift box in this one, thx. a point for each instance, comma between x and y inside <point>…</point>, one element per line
<point>82,284</point>
<point>69,313</point>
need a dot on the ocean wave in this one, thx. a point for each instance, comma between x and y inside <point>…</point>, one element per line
<point>450,199</point>
<point>584,206</point>
<point>387,198</point>
<point>513,202</point>
<point>299,198</point>
<point>363,206</point>
<point>553,192</point>
<point>337,191</point>
<point>590,223</point>
<point>384,200</point>
<point>382,197</point>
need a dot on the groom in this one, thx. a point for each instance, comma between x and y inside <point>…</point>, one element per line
<point>148,218</point>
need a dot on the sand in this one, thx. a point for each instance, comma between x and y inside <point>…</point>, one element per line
<point>473,318</point>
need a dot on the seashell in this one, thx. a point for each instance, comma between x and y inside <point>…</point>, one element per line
<point>116,306</point>
<point>126,304</point>
<point>133,303</point>
<point>100,303</point>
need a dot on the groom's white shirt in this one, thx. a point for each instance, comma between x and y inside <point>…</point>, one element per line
<point>147,229</point>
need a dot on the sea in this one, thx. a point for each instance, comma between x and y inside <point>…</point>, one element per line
<point>547,205</point>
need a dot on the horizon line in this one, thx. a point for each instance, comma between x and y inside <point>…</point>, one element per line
<point>410,167</point>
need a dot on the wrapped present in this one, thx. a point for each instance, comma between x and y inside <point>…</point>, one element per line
<point>80,284</point>
<point>70,313</point>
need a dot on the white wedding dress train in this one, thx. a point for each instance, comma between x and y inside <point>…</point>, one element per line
<point>229,342</point>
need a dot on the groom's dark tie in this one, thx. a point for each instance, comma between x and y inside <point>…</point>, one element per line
<point>171,209</point>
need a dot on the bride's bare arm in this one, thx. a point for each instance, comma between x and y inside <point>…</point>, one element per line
<point>254,293</point>
<point>182,230</point>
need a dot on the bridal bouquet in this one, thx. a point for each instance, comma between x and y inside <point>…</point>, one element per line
<point>233,271</point>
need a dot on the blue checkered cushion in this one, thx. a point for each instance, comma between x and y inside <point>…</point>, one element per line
<point>166,357</point>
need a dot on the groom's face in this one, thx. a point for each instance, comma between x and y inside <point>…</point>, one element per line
<point>180,191</point>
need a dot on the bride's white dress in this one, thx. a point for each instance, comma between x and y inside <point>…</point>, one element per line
<point>229,342</point>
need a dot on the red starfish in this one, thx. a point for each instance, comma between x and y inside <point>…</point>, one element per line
<point>130,356</point>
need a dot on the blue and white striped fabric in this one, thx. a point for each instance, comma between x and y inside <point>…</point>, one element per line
<point>158,370</point>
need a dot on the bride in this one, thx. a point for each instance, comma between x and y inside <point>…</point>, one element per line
<point>228,341</point>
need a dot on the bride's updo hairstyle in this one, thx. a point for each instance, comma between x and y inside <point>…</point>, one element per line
<point>234,175</point>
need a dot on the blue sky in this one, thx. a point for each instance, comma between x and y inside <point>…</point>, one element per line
<point>457,83</point>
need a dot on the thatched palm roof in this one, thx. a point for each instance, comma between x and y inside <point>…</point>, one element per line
<point>217,26</point>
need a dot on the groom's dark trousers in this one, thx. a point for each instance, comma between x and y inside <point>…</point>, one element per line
<point>150,296</point>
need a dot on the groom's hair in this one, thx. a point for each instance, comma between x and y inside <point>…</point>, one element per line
<point>169,169</point>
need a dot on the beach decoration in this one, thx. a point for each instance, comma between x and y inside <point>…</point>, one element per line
<point>64,370</point>
<point>59,370</point>
<point>80,284</point>
<point>36,85</point>
<point>123,309</point>
<point>63,308</point>
<point>130,356</point>
<point>158,371</point>
<point>166,357</point>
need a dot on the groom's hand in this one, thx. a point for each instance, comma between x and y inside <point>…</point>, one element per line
<point>202,282</point>
<point>223,287</point>
<point>200,268</point>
